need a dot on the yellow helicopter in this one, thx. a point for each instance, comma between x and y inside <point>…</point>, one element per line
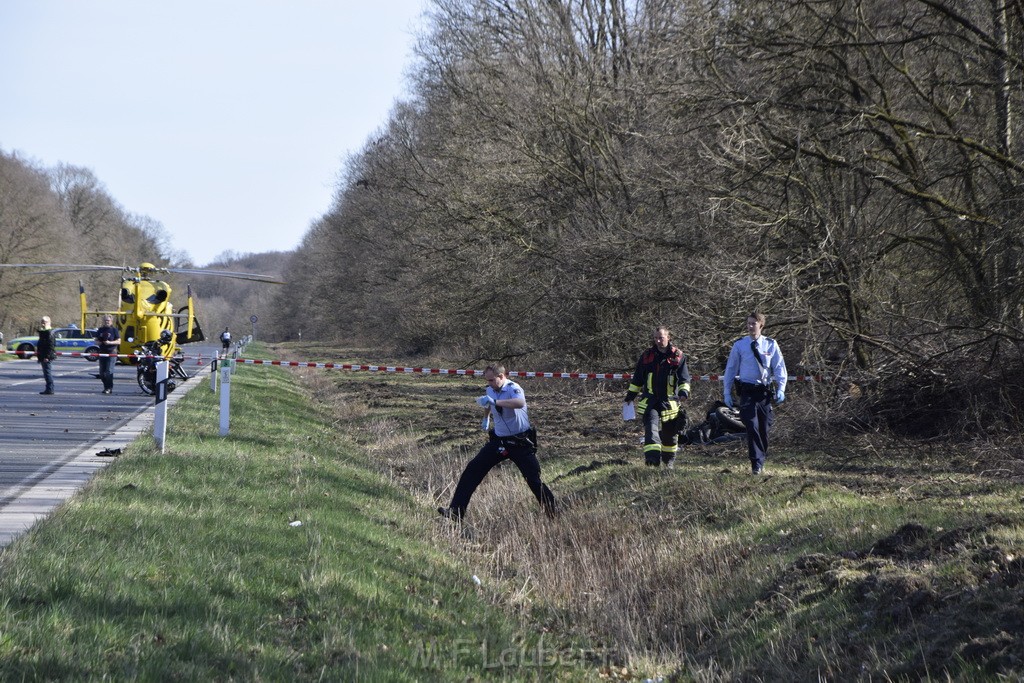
<point>145,317</point>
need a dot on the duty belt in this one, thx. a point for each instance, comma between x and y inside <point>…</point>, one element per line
<point>748,389</point>
<point>524,439</point>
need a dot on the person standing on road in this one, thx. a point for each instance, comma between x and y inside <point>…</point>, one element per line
<point>756,363</point>
<point>108,339</point>
<point>225,339</point>
<point>512,438</point>
<point>661,380</point>
<point>46,353</point>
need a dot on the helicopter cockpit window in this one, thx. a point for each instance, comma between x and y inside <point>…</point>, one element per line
<point>158,297</point>
<point>127,296</point>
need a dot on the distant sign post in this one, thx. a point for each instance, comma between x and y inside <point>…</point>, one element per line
<point>253,319</point>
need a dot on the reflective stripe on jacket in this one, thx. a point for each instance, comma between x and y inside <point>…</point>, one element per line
<point>657,378</point>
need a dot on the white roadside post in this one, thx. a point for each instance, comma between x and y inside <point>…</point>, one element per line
<point>225,396</point>
<point>160,415</point>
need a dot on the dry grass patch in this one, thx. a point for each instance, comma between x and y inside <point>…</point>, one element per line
<point>704,572</point>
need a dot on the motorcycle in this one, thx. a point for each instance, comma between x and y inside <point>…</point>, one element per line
<point>146,359</point>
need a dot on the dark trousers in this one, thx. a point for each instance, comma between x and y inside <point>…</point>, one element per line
<point>661,437</point>
<point>493,453</point>
<point>757,416</point>
<point>47,373</point>
<point>107,372</point>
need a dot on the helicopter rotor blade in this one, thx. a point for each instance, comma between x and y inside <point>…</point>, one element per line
<point>60,267</point>
<point>56,268</point>
<point>228,273</point>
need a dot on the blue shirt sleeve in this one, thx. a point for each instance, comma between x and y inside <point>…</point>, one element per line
<point>732,368</point>
<point>777,365</point>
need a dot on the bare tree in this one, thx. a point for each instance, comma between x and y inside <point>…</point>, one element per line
<point>529,182</point>
<point>872,160</point>
<point>32,229</point>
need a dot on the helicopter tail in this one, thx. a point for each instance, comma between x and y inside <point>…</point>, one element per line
<point>192,332</point>
<point>191,312</point>
<point>81,299</point>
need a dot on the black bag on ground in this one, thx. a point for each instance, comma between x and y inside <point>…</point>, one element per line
<point>721,421</point>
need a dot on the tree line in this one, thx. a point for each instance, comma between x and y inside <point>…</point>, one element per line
<point>64,215</point>
<point>566,174</point>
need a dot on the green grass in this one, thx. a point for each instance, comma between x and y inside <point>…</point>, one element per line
<point>857,558</point>
<point>184,565</point>
<point>853,560</point>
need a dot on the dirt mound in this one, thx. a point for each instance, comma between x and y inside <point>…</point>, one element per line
<point>899,544</point>
<point>958,586</point>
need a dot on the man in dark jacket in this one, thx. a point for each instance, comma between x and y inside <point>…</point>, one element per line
<point>661,380</point>
<point>108,339</point>
<point>45,352</point>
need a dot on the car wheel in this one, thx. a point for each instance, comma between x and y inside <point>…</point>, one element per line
<point>25,351</point>
<point>729,419</point>
<point>91,350</point>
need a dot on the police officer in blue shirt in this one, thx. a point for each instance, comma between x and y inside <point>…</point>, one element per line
<point>756,363</point>
<point>512,438</point>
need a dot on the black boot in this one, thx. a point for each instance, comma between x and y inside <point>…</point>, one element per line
<point>453,514</point>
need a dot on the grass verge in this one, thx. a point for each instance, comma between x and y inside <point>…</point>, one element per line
<point>850,561</point>
<point>192,565</point>
<point>854,559</point>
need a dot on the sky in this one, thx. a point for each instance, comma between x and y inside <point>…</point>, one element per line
<point>226,121</point>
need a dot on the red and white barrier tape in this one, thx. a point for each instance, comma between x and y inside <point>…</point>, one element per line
<point>74,354</point>
<point>432,371</point>
<point>427,371</point>
<point>479,373</point>
<point>87,354</point>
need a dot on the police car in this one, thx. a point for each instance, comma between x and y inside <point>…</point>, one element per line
<point>65,339</point>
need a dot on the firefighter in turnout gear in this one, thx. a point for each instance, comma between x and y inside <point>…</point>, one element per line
<point>662,381</point>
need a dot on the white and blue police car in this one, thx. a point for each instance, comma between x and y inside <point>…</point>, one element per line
<point>65,339</point>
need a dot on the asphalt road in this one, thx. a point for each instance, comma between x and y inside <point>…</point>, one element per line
<point>48,444</point>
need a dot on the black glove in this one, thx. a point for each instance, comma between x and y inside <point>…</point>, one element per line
<point>630,395</point>
<point>683,394</point>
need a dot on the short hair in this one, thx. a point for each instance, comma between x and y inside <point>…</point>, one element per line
<point>45,319</point>
<point>662,328</point>
<point>758,316</point>
<point>496,368</point>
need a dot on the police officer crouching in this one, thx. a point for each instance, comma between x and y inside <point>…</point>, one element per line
<point>512,438</point>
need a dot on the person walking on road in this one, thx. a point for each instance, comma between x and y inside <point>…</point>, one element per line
<point>662,381</point>
<point>108,339</point>
<point>512,438</point>
<point>756,363</point>
<point>45,352</point>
